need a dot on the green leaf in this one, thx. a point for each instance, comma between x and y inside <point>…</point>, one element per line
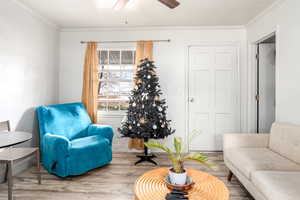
<point>157,145</point>
<point>200,158</point>
<point>177,145</point>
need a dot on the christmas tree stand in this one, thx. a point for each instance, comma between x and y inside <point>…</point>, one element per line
<point>146,157</point>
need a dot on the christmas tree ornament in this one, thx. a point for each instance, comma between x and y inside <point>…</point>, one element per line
<point>124,119</point>
<point>142,120</point>
<point>146,116</point>
<point>153,72</point>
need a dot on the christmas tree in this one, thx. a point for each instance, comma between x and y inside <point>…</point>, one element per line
<point>146,115</point>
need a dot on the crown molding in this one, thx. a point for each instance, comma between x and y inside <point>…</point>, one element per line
<point>36,15</point>
<point>265,12</point>
<point>150,28</point>
<point>49,22</point>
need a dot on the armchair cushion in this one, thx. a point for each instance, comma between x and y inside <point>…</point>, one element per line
<point>69,120</point>
<point>88,153</point>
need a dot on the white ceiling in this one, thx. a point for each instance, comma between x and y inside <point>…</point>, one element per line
<point>85,13</point>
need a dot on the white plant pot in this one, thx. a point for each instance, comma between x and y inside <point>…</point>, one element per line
<point>176,178</point>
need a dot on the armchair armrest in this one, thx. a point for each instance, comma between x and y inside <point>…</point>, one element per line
<point>56,145</point>
<point>236,140</point>
<point>103,130</point>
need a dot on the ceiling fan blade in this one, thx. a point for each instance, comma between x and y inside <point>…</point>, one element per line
<point>170,3</point>
<point>120,4</point>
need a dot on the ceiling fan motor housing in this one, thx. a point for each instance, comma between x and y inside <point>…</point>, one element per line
<point>170,3</point>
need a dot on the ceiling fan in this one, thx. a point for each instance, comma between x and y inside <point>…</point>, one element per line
<point>169,3</point>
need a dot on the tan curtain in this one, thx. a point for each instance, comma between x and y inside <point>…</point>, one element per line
<point>90,80</point>
<point>144,49</point>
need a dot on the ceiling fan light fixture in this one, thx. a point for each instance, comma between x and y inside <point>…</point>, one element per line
<point>120,4</point>
<point>106,3</point>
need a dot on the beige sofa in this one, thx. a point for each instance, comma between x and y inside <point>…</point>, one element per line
<point>268,165</point>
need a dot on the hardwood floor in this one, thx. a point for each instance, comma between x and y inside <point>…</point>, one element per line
<point>112,182</point>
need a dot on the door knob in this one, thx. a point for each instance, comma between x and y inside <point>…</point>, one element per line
<point>191,99</point>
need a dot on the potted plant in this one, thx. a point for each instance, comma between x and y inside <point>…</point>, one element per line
<point>177,173</point>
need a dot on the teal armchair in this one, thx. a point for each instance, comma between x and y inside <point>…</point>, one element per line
<point>70,144</point>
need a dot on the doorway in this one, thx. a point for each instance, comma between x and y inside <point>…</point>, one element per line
<point>265,84</point>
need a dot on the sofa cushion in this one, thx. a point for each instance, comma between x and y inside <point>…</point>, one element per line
<point>248,160</point>
<point>278,185</point>
<point>285,140</point>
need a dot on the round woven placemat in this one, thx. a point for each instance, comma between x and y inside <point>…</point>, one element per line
<point>151,186</point>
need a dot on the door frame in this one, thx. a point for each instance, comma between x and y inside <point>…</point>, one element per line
<point>252,77</point>
<point>237,45</point>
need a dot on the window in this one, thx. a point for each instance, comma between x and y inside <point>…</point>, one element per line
<point>116,79</point>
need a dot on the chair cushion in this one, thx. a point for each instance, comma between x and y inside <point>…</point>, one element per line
<point>91,142</point>
<point>70,120</point>
<point>278,185</point>
<point>87,153</point>
<point>285,140</point>
<point>248,160</point>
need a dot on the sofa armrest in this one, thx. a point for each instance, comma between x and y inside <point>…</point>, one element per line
<point>239,140</point>
<point>103,130</point>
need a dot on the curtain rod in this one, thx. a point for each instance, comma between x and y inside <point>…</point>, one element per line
<point>124,41</point>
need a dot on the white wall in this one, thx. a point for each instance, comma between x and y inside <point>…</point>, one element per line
<point>285,18</point>
<point>28,65</point>
<point>170,58</point>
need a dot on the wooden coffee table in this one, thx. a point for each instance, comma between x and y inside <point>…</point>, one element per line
<point>151,186</point>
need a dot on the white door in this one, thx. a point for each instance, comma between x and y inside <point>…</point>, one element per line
<point>214,105</point>
<point>266,87</point>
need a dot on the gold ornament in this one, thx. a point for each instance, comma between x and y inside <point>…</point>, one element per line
<point>142,120</point>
